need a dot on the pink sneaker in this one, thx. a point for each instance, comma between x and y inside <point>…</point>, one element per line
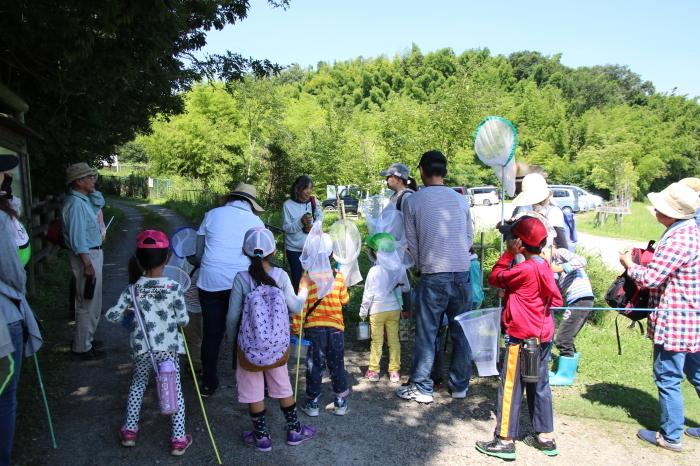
<point>372,376</point>
<point>394,377</point>
<point>128,437</point>
<point>179,445</point>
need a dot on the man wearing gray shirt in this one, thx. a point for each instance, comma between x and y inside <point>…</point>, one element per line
<point>439,235</point>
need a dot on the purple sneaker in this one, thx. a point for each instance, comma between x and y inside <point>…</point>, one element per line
<point>297,438</point>
<point>261,444</point>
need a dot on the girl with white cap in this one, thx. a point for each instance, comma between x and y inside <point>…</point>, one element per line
<point>251,377</point>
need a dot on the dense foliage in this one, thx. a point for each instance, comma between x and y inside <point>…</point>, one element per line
<point>599,127</point>
<point>94,73</point>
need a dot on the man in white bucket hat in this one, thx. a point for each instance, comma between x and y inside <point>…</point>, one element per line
<point>673,278</point>
<point>536,197</point>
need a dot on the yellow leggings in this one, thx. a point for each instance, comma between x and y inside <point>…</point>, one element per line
<point>377,323</point>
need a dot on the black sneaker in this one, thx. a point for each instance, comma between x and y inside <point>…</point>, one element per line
<point>92,355</point>
<point>548,447</point>
<point>206,391</point>
<point>498,448</point>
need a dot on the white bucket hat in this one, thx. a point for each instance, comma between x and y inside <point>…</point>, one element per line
<point>676,201</point>
<point>535,190</point>
<point>259,241</point>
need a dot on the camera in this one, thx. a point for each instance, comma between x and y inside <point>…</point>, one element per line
<point>506,229</point>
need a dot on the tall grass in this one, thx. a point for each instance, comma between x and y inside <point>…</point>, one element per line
<point>639,225</point>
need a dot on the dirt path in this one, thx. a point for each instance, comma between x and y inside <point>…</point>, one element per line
<point>378,429</point>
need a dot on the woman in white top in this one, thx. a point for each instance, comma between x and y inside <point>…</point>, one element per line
<point>220,246</point>
<point>299,212</point>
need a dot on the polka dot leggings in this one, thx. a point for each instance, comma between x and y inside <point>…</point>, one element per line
<point>142,369</point>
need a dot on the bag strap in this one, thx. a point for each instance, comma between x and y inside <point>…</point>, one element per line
<point>137,312</point>
<point>318,301</point>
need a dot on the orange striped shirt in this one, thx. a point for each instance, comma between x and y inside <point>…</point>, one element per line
<point>329,312</point>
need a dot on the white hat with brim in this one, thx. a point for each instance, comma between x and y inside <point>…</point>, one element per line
<point>535,190</point>
<point>249,193</point>
<point>676,201</point>
<point>78,171</point>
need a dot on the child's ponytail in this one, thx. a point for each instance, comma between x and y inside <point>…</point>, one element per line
<point>257,271</point>
<point>135,270</point>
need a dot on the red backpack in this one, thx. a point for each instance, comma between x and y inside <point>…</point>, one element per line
<point>625,293</point>
<point>54,233</point>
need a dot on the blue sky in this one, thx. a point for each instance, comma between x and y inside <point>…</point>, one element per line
<point>660,40</point>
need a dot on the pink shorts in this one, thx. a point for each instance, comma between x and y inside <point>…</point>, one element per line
<point>251,386</point>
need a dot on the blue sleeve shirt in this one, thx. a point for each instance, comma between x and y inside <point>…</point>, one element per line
<point>80,229</point>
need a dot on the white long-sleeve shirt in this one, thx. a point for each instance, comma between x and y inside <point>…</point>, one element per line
<point>374,302</point>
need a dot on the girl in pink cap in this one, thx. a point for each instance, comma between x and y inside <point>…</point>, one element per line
<point>162,306</point>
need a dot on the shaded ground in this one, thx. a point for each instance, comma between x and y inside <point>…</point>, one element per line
<point>379,427</point>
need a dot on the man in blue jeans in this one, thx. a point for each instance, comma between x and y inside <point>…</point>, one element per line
<point>439,235</point>
<point>673,280</point>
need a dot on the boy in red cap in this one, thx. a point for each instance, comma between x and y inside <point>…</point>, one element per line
<point>530,292</point>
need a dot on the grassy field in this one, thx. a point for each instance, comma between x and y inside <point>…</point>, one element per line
<point>617,388</point>
<point>639,225</point>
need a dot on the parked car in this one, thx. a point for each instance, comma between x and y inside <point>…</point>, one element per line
<point>484,195</point>
<point>574,198</point>
<point>351,199</point>
<point>465,192</point>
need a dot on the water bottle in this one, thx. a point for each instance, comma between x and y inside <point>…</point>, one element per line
<point>167,387</point>
<point>530,360</point>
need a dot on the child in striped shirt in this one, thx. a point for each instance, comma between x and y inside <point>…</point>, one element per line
<point>324,328</point>
<point>569,269</point>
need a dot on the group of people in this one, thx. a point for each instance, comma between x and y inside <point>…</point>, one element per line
<point>258,306</point>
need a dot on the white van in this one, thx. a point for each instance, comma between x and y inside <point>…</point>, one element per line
<point>485,195</point>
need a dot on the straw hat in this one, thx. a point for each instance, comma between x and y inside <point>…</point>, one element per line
<point>676,201</point>
<point>535,190</point>
<point>249,193</point>
<point>77,171</point>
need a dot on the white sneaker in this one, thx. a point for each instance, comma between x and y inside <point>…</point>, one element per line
<point>409,391</point>
<point>458,395</point>
<point>340,406</point>
<point>310,408</point>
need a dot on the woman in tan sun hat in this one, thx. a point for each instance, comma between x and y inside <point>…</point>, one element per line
<point>536,197</point>
<point>673,279</point>
<point>220,248</point>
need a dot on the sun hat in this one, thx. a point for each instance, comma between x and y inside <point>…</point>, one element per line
<point>676,201</point>
<point>535,190</point>
<point>693,183</point>
<point>8,162</point>
<point>384,242</point>
<point>432,157</point>
<point>531,231</point>
<point>249,193</point>
<point>259,241</point>
<point>158,238</point>
<point>397,169</point>
<point>79,170</point>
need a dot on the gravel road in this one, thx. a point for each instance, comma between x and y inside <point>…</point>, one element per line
<point>378,429</point>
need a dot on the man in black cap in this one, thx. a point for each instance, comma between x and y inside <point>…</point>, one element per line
<point>439,235</point>
<point>397,176</point>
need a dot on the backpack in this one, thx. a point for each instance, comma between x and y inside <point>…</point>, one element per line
<point>624,293</point>
<point>263,338</point>
<point>54,233</point>
<point>570,227</point>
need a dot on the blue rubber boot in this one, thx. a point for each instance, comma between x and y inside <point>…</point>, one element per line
<point>566,371</point>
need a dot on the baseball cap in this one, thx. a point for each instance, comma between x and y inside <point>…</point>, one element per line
<point>259,241</point>
<point>531,231</point>
<point>396,169</point>
<point>432,157</point>
<point>152,239</point>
